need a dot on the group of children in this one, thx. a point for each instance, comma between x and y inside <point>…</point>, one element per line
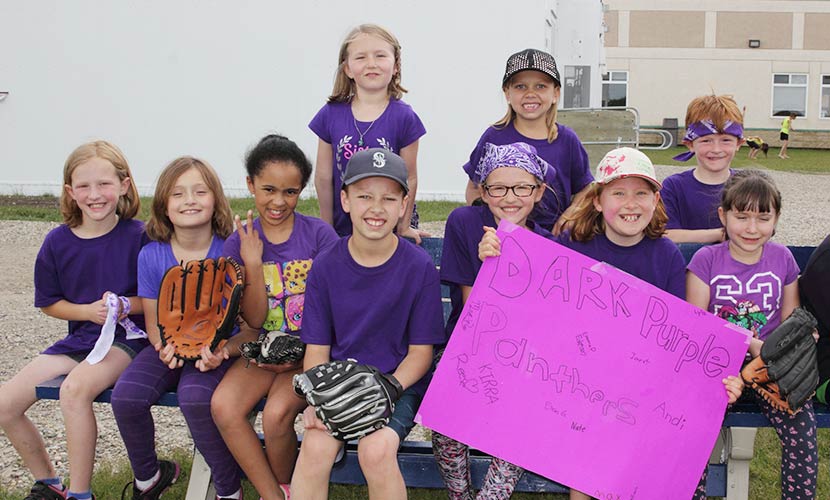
<point>373,295</point>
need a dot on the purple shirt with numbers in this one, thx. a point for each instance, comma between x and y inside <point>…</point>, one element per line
<point>286,266</point>
<point>691,204</point>
<point>657,261</point>
<point>459,259</point>
<point>571,170</point>
<point>397,127</point>
<point>80,270</point>
<point>373,314</point>
<point>749,295</point>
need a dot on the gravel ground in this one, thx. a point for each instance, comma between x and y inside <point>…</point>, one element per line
<point>805,221</point>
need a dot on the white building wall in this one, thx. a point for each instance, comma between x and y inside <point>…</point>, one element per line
<point>207,78</point>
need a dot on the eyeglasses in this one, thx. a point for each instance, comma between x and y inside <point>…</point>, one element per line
<point>520,190</point>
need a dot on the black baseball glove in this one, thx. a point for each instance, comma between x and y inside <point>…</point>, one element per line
<point>351,400</point>
<point>786,372</point>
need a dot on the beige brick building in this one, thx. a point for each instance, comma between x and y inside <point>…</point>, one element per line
<point>773,56</point>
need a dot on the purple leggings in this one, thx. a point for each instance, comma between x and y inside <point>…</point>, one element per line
<point>141,385</point>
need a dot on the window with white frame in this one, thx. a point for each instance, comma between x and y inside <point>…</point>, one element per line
<point>615,89</point>
<point>825,97</point>
<point>789,94</point>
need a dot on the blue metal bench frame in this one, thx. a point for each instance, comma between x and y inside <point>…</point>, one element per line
<point>418,465</point>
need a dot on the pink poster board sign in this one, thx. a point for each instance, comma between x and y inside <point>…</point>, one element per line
<point>584,374</point>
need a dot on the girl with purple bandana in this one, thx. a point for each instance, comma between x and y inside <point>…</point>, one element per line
<point>691,198</point>
<point>190,220</point>
<point>512,183</point>
<point>83,272</point>
<point>365,111</point>
<point>753,282</point>
<point>531,86</point>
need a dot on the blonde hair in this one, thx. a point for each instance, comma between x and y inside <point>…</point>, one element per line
<point>159,227</point>
<point>344,87</point>
<point>717,108</point>
<point>550,116</point>
<point>128,204</point>
<point>589,222</point>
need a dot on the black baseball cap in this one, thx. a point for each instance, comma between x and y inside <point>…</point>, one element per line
<point>531,59</point>
<point>376,162</point>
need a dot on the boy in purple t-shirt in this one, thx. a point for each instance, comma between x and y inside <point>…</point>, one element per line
<point>713,135</point>
<point>375,298</point>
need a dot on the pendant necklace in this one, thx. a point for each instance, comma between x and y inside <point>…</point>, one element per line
<point>360,140</point>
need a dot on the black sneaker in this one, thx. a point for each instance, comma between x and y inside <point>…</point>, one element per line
<point>169,472</point>
<point>43,491</point>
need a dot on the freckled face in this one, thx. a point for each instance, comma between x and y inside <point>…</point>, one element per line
<point>627,206</point>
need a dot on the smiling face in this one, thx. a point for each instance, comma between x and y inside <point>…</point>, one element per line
<point>627,206</point>
<point>714,153</point>
<point>370,63</point>
<point>375,205</point>
<point>276,189</point>
<point>190,203</point>
<point>96,189</point>
<point>510,207</point>
<point>748,231</point>
<point>531,93</point>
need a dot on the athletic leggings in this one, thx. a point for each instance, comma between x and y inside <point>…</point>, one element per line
<point>453,459</point>
<point>799,451</point>
<point>141,385</point>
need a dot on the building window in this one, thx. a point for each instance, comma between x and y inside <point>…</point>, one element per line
<point>825,96</point>
<point>615,89</point>
<point>576,91</point>
<point>789,94</point>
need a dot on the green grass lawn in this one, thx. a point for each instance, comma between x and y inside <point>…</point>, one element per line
<point>813,161</point>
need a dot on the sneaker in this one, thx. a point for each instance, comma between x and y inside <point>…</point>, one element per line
<point>169,473</point>
<point>241,495</point>
<point>43,491</point>
<point>73,498</point>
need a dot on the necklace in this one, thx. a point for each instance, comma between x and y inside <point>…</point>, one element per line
<point>360,140</point>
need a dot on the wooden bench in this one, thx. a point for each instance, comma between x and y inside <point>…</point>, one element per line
<point>728,473</point>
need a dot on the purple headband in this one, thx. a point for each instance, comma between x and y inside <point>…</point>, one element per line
<point>699,129</point>
<point>518,155</point>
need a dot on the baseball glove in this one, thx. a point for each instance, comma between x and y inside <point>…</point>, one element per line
<point>351,400</point>
<point>786,372</point>
<point>197,305</point>
<point>274,348</point>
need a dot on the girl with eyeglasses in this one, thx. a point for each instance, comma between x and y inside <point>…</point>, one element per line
<point>512,183</point>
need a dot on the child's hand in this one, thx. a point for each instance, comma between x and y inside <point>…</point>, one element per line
<point>250,245</point>
<point>815,335</point>
<point>211,360</point>
<point>734,387</point>
<point>310,420</point>
<point>281,368</point>
<point>490,245</point>
<point>166,355</point>
<point>411,233</point>
<point>96,312</point>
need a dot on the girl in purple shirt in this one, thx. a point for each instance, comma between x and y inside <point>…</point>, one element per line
<point>85,271</point>
<point>190,219</point>
<point>365,111</point>
<point>513,181</point>
<point>276,251</point>
<point>753,282</point>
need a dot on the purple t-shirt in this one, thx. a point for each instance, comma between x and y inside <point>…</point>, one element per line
<point>657,261</point>
<point>459,259</point>
<point>691,204</point>
<point>156,258</point>
<point>80,270</point>
<point>335,124</point>
<point>373,314</point>
<point>749,295</point>
<point>286,266</point>
<point>571,170</point>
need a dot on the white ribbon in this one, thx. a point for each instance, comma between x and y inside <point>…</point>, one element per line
<point>104,342</point>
